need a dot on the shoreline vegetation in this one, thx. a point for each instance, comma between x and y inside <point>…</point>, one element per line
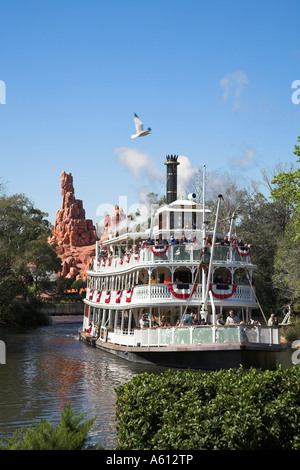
<point>231,409</point>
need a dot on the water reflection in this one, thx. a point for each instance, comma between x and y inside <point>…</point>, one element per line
<point>48,367</point>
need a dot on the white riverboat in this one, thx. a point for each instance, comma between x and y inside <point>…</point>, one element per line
<point>162,294</point>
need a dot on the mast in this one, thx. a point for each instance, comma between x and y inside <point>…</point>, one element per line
<point>204,306</point>
<point>203,235</point>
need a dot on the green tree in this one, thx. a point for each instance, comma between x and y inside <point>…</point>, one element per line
<point>70,434</point>
<point>286,278</point>
<point>263,226</point>
<point>287,191</point>
<point>26,258</point>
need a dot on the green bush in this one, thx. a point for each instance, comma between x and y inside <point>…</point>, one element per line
<point>70,434</point>
<point>222,410</point>
<point>292,332</point>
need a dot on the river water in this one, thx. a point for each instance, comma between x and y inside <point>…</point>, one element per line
<point>48,367</point>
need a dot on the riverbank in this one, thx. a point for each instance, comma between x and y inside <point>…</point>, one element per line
<point>68,308</point>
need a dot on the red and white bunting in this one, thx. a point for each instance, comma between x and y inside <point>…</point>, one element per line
<point>98,296</point>
<point>95,294</point>
<point>104,262</point>
<point>136,255</point>
<point>91,292</point>
<point>243,250</point>
<point>159,249</point>
<point>121,260</point>
<point>129,294</point>
<point>182,291</point>
<point>118,296</point>
<point>127,258</point>
<point>222,291</point>
<point>107,297</point>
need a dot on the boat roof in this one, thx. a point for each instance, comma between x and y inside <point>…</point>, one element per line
<point>182,204</point>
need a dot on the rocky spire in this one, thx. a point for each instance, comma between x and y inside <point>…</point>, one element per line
<point>74,236</point>
<point>71,227</point>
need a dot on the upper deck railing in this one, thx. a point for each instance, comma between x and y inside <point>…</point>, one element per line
<point>170,254</point>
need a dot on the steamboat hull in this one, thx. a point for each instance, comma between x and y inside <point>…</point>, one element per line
<point>198,357</point>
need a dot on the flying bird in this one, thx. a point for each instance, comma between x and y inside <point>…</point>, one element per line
<point>139,128</point>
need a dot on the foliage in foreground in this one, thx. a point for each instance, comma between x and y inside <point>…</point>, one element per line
<point>222,410</point>
<point>70,434</point>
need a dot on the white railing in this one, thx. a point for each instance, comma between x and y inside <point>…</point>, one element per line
<point>207,334</point>
<point>160,293</point>
<point>181,254</point>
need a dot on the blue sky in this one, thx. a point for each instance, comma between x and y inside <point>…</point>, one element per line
<point>212,80</point>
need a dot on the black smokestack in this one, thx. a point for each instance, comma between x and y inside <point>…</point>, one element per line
<point>171,164</point>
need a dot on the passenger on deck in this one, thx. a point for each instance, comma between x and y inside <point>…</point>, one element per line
<point>271,321</point>
<point>218,279</point>
<point>187,319</point>
<point>220,320</point>
<point>183,241</point>
<point>225,242</point>
<point>233,241</point>
<point>143,322</point>
<point>173,241</point>
<point>232,319</point>
<point>208,241</point>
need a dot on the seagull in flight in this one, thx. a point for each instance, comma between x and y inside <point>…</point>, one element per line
<point>139,128</point>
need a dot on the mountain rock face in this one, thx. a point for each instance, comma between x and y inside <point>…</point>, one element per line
<point>111,224</point>
<point>74,235</point>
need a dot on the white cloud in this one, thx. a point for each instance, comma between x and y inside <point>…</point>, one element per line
<point>138,163</point>
<point>245,161</point>
<point>233,83</point>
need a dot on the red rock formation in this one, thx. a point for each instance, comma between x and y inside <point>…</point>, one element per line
<point>111,222</point>
<point>74,236</point>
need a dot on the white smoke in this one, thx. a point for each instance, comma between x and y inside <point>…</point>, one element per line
<point>185,174</point>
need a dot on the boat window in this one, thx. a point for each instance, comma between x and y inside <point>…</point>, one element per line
<point>164,221</point>
<point>179,220</point>
<point>171,220</point>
